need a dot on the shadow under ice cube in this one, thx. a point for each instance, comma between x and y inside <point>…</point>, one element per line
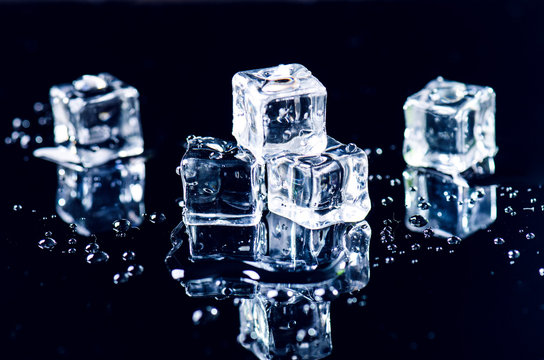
<point>92,198</point>
<point>450,126</point>
<point>96,119</point>
<point>279,109</point>
<point>321,190</point>
<point>451,206</point>
<point>222,184</point>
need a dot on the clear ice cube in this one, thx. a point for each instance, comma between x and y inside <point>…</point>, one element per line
<point>92,198</point>
<point>450,126</point>
<point>96,119</point>
<point>321,190</point>
<point>222,184</point>
<point>279,109</point>
<point>295,328</point>
<point>293,247</point>
<point>450,204</point>
<point>219,242</point>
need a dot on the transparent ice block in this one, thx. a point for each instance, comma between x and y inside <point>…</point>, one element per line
<point>450,126</point>
<point>321,190</point>
<point>297,328</point>
<point>219,242</point>
<point>279,109</point>
<point>92,198</point>
<point>96,119</point>
<point>222,184</point>
<point>450,204</point>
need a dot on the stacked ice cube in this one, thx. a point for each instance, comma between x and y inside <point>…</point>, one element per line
<point>450,128</point>
<point>283,161</point>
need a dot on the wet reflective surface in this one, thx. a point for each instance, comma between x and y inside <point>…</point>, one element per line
<point>465,284</point>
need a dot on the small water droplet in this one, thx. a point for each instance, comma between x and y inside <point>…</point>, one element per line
<point>513,254</point>
<point>48,233</point>
<point>121,225</point>
<point>135,270</point>
<point>418,221</point>
<point>17,207</point>
<point>387,201</point>
<point>129,255</point>
<point>415,247</point>
<point>47,243</point>
<point>424,205</point>
<point>498,241</point>
<point>541,271</point>
<point>454,240</point>
<point>215,155</point>
<point>206,315</point>
<point>72,250</point>
<point>428,233</point>
<point>157,218</point>
<point>97,257</point>
<point>530,236</point>
<point>121,278</point>
<point>92,248</point>
<point>389,260</point>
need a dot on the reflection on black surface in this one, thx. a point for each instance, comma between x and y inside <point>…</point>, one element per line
<point>92,198</point>
<point>284,314</point>
<point>450,204</point>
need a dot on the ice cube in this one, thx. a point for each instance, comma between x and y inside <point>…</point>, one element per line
<point>222,184</point>
<point>450,126</point>
<point>297,327</point>
<point>96,119</point>
<point>219,242</point>
<point>279,109</point>
<point>321,190</point>
<point>450,204</point>
<point>92,198</point>
<point>293,247</point>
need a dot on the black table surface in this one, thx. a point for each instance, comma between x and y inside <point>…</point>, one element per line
<point>470,303</point>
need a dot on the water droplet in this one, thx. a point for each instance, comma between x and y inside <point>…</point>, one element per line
<point>97,257</point>
<point>17,207</point>
<point>389,260</point>
<point>47,243</point>
<point>72,250</point>
<point>157,218</point>
<point>541,271</point>
<point>215,155</point>
<point>387,201</point>
<point>454,240</point>
<point>533,200</point>
<point>498,241</point>
<point>121,278</point>
<point>415,247</point>
<point>48,233</point>
<point>424,205</point>
<point>129,255</point>
<point>92,248</point>
<point>428,233</point>
<point>206,315</point>
<point>418,221</point>
<point>530,236</point>
<point>72,241</point>
<point>135,270</point>
<point>513,254</point>
<point>508,209</point>
<point>121,225</point>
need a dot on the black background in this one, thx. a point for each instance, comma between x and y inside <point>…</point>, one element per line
<point>370,56</point>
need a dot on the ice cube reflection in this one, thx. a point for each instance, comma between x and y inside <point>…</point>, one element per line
<point>450,204</point>
<point>283,313</point>
<point>92,198</point>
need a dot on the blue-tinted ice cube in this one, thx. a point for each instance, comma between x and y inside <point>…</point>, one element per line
<point>321,190</point>
<point>450,126</point>
<point>92,198</point>
<point>222,184</point>
<point>279,109</point>
<point>450,204</point>
<point>96,119</point>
